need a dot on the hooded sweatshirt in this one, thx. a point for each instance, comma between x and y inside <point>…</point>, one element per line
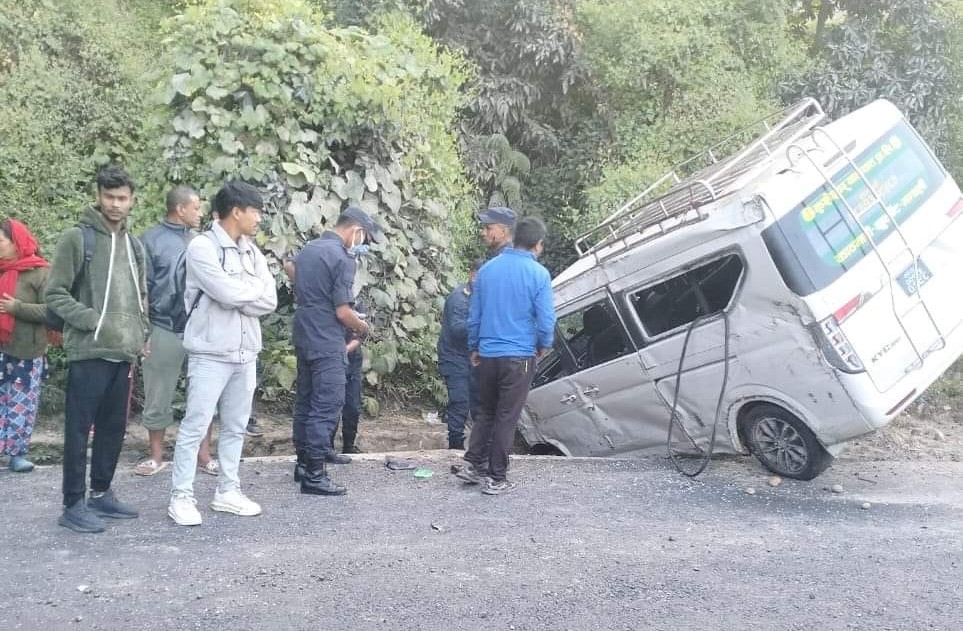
<point>106,319</point>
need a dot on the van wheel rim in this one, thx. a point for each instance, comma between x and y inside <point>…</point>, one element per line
<point>781,445</point>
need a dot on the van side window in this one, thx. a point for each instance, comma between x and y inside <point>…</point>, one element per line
<point>678,301</point>
<point>592,336</point>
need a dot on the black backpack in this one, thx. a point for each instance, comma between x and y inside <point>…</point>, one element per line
<point>180,283</point>
<point>54,321</point>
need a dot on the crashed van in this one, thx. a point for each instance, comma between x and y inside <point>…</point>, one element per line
<point>804,275</point>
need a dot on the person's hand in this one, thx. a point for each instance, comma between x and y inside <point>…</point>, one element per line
<point>365,328</point>
<point>7,303</point>
<point>475,359</point>
<point>542,352</point>
<point>145,351</point>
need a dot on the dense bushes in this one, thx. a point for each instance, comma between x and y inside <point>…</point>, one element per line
<point>321,117</point>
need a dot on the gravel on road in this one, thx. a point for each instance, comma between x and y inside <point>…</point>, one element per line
<point>581,544</point>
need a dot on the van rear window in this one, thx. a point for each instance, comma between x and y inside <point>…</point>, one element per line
<point>818,240</point>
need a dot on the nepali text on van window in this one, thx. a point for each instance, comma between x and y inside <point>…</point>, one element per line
<point>817,241</point>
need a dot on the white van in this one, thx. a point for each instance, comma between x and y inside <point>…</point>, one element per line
<point>830,251</point>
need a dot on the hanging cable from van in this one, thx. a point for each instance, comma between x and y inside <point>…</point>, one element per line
<point>674,417</point>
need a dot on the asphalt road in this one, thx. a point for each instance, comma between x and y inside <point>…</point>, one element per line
<point>580,545</point>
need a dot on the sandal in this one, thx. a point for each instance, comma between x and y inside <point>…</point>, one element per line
<point>150,467</point>
<point>212,467</point>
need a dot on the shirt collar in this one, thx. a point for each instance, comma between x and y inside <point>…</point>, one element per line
<point>242,245</point>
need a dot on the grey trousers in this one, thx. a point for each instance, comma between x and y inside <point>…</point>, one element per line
<point>161,370</point>
<point>214,386</point>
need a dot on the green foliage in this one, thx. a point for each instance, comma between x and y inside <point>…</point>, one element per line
<point>321,117</point>
<point>70,99</point>
<point>677,78</point>
<point>901,50</point>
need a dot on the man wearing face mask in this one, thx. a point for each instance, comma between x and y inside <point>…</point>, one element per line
<point>324,293</point>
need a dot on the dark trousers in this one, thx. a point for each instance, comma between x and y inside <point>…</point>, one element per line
<point>503,385</point>
<point>459,407</point>
<point>351,412</point>
<point>96,395</point>
<point>320,396</point>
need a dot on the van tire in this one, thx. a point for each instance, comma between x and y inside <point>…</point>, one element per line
<point>783,443</point>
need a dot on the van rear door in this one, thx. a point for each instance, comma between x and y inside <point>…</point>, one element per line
<point>877,247</point>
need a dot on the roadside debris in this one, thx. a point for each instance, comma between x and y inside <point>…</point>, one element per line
<point>774,481</point>
<point>750,490</point>
<point>837,488</point>
<point>398,464</point>
<point>423,473</point>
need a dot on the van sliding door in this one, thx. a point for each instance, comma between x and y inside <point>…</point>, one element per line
<point>665,311</point>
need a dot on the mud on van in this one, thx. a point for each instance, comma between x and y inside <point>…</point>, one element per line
<point>827,251</point>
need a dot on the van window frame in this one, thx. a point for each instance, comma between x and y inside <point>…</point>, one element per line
<point>639,332</point>
<point>561,346</point>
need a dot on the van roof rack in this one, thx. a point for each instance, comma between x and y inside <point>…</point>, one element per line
<point>676,199</point>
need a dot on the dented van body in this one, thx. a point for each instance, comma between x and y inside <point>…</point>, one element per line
<point>829,253</point>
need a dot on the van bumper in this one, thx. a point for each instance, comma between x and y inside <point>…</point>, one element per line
<point>881,408</point>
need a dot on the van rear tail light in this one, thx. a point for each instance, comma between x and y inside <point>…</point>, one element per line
<point>837,349</point>
<point>850,308</point>
<point>957,208</point>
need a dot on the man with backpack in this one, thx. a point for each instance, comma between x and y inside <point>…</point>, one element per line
<point>165,245</point>
<point>97,286</point>
<point>228,287</point>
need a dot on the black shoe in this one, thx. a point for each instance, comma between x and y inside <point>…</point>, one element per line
<point>80,518</point>
<point>351,449</point>
<point>252,429</point>
<point>469,475</point>
<point>317,482</point>
<point>493,487</point>
<point>334,458</point>
<point>107,505</point>
<point>299,466</point>
<point>456,444</point>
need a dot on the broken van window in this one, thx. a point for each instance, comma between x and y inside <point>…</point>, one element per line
<point>678,301</point>
<point>592,336</point>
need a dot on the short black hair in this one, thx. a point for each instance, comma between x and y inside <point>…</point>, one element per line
<point>235,194</point>
<point>112,176</point>
<point>528,232</point>
<point>179,196</point>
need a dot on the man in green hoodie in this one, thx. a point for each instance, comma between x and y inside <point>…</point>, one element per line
<point>102,303</point>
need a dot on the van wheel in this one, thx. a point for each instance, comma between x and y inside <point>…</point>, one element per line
<point>783,443</point>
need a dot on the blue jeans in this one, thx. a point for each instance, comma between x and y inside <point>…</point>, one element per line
<point>320,397</point>
<point>214,386</point>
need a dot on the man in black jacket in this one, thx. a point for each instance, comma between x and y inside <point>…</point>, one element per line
<point>165,245</point>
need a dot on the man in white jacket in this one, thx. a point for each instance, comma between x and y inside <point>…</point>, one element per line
<point>228,287</point>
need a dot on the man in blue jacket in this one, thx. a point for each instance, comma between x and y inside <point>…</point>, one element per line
<point>454,362</point>
<point>511,322</point>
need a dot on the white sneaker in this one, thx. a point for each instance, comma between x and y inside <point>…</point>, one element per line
<point>235,502</point>
<point>183,510</point>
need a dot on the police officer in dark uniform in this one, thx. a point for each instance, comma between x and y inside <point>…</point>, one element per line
<point>351,413</point>
<point>454,362</point>
<point>498,228</point>
<point>324,292</point>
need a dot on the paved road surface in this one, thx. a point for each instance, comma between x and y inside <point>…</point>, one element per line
<point>579,545</point>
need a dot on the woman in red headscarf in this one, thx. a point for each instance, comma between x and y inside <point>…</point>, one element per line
<point>23,339</point>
